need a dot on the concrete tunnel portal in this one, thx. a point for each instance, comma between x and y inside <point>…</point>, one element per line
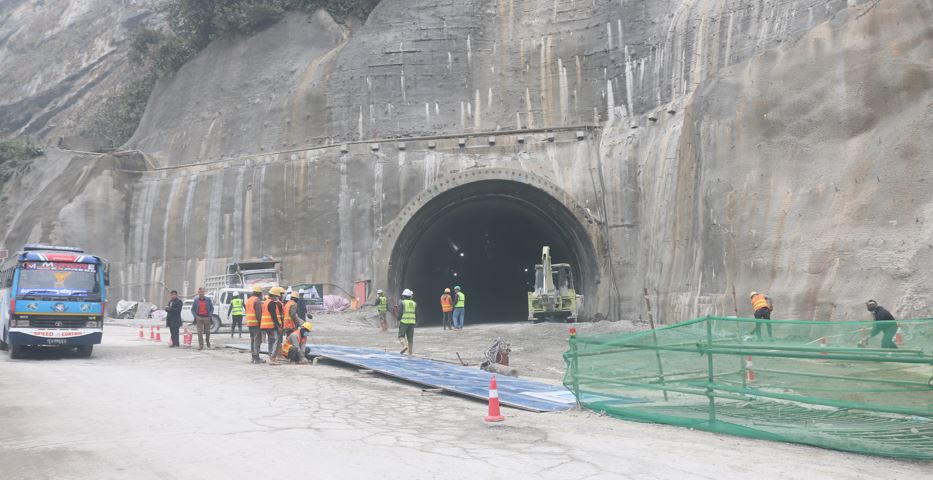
<point>486,236</point>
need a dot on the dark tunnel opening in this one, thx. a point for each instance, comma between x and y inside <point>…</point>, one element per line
<point>486,237</point>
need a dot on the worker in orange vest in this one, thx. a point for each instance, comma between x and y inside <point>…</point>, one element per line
<point>447,308</point>
<point>761,304</point>
<point>294,348</point>
<point>271,321</point>
<point>292,319</point>
<point>253,313</point>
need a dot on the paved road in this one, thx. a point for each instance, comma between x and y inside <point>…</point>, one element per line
<point>143,411</point>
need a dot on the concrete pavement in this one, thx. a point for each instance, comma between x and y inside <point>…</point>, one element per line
<point>144,411</point>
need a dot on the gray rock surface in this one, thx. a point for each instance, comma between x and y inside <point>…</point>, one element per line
<point>793,161</point>
<point>60,60</point>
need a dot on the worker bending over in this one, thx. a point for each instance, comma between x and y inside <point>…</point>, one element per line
<point>294,349</point>
<point>406,321</point>
<point>761,304</point>
<point>253,314</point>
<point>884,323</point>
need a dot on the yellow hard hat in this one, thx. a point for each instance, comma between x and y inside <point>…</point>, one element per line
<point>295,295</point>
<point>446,290</point>
<point>277,291</point>
<point>257,289</point>
<point>306,326</point>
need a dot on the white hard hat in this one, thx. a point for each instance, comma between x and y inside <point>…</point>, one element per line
<point>301,290</point>
<point>379,291</point>
<point>407,293</point>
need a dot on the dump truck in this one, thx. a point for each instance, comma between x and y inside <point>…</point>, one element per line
<point>238,280</point>
<point>554,297</point>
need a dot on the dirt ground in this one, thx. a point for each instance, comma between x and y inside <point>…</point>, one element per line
<point>140,410</point>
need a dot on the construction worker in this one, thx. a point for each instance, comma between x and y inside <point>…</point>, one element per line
<point>884,324</point>
<point>292,317</point>
<point>294,348</point>
<point>237,309</point>
<point>447,308</point>
<point>459,299</point>
<point>302,305</point>
<point>382,306</point>
<point>761,304</point>
<point>271,321</point>
<point>406,321</point>
<point>203,311</point>
<point>253,314</point>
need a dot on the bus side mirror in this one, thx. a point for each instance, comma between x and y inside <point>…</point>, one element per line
<point>107,276</point>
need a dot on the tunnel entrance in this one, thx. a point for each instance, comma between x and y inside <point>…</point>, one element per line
<point>486,236</point>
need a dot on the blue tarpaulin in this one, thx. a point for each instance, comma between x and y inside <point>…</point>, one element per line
<point>468,381</point>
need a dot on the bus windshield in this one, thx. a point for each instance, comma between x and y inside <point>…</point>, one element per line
<point>58,279</point>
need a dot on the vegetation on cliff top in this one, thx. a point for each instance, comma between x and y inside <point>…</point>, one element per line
<point>16,154</point>
<point>191,26</point>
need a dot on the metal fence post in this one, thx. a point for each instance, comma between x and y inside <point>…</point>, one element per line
<point>710,373</point>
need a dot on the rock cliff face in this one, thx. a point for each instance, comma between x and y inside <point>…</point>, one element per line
<point>775,146</point>
<point>60,60</point>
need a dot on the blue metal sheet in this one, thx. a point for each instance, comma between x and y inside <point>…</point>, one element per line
<point>468,381</point>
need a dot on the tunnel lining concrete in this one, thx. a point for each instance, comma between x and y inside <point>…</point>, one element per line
<point>569,223</point>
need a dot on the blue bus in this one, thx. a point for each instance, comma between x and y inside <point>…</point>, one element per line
<point>52,296</point>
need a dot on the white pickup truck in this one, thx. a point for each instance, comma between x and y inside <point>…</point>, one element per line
<point>239,279</point>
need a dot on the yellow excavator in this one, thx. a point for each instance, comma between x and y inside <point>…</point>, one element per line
<point>554,297</point>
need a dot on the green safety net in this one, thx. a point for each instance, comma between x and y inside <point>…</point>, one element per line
<point>828,384</point>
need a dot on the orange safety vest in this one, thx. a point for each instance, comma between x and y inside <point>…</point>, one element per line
<point>759,301</point>
<point>446,305</point>
<point>287,344</point>
<point>265,322</point>
<point>251,320</point>
<point>289,322</point>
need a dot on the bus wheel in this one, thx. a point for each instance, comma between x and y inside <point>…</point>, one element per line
<point>215,324</point>
<point>85,350</point>
<point>16,351</point>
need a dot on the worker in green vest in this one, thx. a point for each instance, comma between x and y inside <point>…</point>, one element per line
<point>382,306</point>
<point>237,310</point>
<point>406,321</point>
<point>459,308</point>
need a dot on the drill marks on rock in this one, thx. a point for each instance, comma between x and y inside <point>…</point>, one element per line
<point>239,222</point>
<point>213,220</point>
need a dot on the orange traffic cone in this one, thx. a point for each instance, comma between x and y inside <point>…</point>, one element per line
<point>899,338</point>
<point>151,334</point>
<point>142,336</point>
<point>158,334</point>
<point>749,373</point>
<point>494,414</point>
<point>823,344</point>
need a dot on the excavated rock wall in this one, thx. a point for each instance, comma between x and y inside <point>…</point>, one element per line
<point>792,160</point>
